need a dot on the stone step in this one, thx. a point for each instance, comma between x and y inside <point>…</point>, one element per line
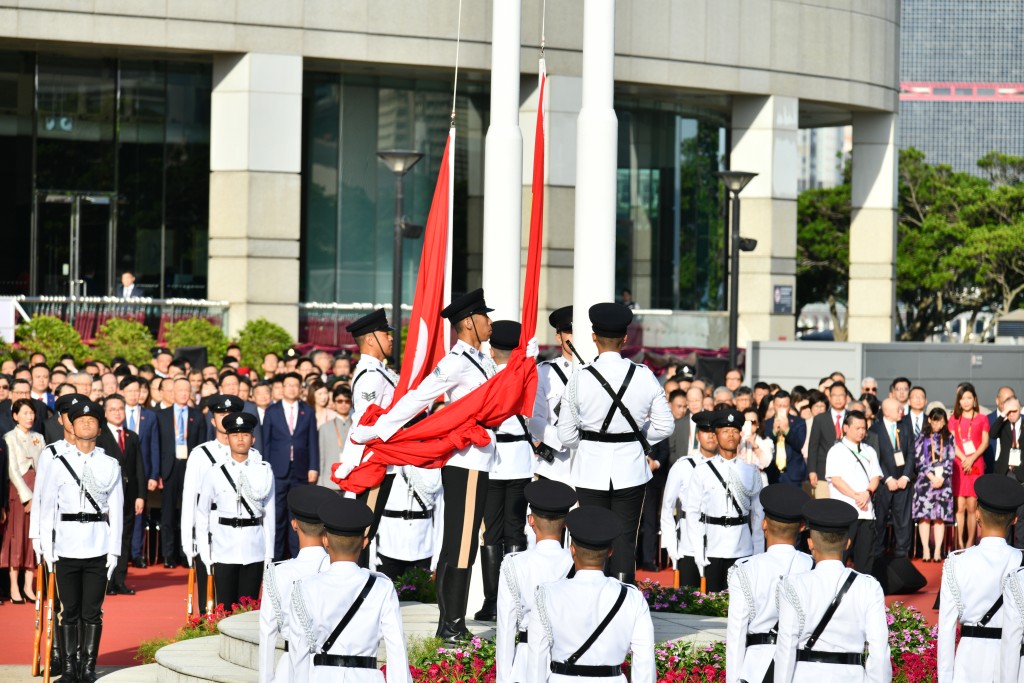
<point>198,661</point>
<point>147,673</point>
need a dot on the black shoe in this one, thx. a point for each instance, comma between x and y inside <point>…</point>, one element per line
<point>90,650</point>
<point>122,589</point>
<point>456,594</point>
<point>139,562</point>
<point>170,565</point>
<point>69,657</point>
<point>111,590</point>
<point>490,561</point>
<point>649,567</point>
<point>17,602</point>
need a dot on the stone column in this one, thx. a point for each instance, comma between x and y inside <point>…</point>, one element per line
<point>872,303</point>
<point>764,132</point>
<point>255,160</point>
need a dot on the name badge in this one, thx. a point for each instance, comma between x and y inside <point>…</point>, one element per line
<point>969,447</point>
<point>181,451</point>
<point>1014,457</point>
<point>900,460</point>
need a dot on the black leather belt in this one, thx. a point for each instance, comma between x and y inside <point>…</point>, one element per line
<point>987,632</point>
<point>347,661</point>
<point>848,658</point>
<point>607,437</point>
<point>725,521</point>
<point>761,638</point>
<point>237,522</point>
<point>511,438</point>
<point>524,637</point>
<point>410,514</point>
<point>286,646</point>
<point>83,517</point>
<point>586,670</point>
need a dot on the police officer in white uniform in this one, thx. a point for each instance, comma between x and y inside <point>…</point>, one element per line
<point>278,578</point>
<point>1011,646</point>
<point>554,459</point>
<point>80,530</point>
<point>827,616</point>
<point>612,412</point>
<point>522,572</point>
<point>584,626</point>
<point>339,617</point>
<point>753,624</point>
<point>972,588</point>
<point>410,531</point>
<point>235,515</point>
<point>673,533</point>
<point>723,509</point>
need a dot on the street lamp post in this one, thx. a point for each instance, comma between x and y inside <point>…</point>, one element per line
<point>735,181</point>
<point>399,162</point>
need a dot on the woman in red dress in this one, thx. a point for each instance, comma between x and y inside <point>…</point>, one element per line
<point>970,437</point>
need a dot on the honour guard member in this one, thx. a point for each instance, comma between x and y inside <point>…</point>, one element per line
<point>410,530</point>
<point>585,626</point>
<point>553,458</point>
<point>1011,646</point>
<point>828,615</point>
<point>339,617</point>
<point>505,508</point>
<point>753,613</point>
<point>673,533</point>
<point>80,530</point>
<point>723,509</point>
<point>522,572</point>
<point>278,578</point>
<point>972,588</point>
<point>235,522</point>
<point>611,413</point>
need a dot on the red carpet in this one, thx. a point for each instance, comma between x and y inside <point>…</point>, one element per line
<point>157,609</point>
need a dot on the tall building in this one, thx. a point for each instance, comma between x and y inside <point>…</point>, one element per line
<point>962,79</point>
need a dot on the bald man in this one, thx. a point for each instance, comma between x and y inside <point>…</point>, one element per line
<point>896,458</point>
<point>1007,435</point>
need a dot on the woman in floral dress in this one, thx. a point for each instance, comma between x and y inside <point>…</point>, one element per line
<point>932,505</point>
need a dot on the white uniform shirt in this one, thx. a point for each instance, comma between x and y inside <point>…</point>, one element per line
<point>705,495</point>
<point>855,466</point>
<point>196,467</point>
<point>544,423</point>
<point>46,458</point>
<point>1013,628</point>
<point>568,611</point>
<point>521,573</point>
<point>860,618</point>
<point>585,406</point>
<point>972,580</point>
<point>275,603</point>
<point>318,605</point>
<point>372,384</point>
<point>100,474</point>
<point>673,533</point>
<point>412,539</point>
<point>753,582</point>
<point>236,545</point>
<point>512,459</point>
<point>455,376</point>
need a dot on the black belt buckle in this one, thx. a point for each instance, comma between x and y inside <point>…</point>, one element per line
<point>588,670</point>
<point>761,638</point>
<point>545,453</point>
<point>983,632</point>
<point>346,661</point>
<point>524,637</point>
<point>823,657</point>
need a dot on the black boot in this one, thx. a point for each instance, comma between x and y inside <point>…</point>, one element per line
<point>55,653</point>
<point>90,649</point>
<point>455,588</point>
<point>490,562</point>
<point>69,656</point>
<point>628,578</point>
<point>438,583</point>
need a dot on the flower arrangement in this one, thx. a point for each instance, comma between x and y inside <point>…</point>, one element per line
<point>433,661</point>
<point>686,662</point>
<point>686,600</point>
<point>416,585</point>
<point>197,626</point>
<point>912,645</point>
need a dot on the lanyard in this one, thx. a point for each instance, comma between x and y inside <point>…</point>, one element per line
<point>960,428</point>
<point>941,448</point>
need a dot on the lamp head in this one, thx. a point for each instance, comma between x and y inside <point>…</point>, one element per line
<point>399,161</point>
<point>735,181</point>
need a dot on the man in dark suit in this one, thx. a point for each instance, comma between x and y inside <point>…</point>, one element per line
<point>229,384</point>
<point>142,421</point>
<point>40,382</point>
<point>787,431</point>
<point>650,515</point>
<point>128,289</point>
<point>181,430</point>
<point>896,458</point>
<point>1007,432</point>
<point>121,443</point>
<point>992,452</point>
<point>293,451</point>
<point>6,419</point>
<point>826,429</point>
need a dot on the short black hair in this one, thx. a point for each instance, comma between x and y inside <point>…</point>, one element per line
<point>676,393</point>
<point>899,380</point>
<point>128,381</point>
<point>743,391</point>
<point>341,390</point>
<point>781,393</point>
<point>854,415</point>
<point>762,386</point>
<point>919,388</point>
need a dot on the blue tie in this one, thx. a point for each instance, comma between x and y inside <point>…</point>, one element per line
<point>180,436</point>
<point>892,434</point>
<point>131,420</point>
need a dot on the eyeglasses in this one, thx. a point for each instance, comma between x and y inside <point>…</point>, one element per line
<point>870,390</point>
<point>5,387</point>
<point>342,400</point>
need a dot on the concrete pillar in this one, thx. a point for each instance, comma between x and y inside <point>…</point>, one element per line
<point>596,162</point>
<point>764,132</point>
<point>872,304</point>
<point>255,160</point>
<point>503,167</point>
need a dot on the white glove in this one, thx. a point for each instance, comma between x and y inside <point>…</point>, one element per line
<point>111,564</point>
<point>532,349</point>
<point>37,548</point>
<point>344,469</point>
<point>362,433</point>
<point>673,553</point>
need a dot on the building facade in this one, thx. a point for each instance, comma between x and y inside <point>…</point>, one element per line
<point>228,149</point>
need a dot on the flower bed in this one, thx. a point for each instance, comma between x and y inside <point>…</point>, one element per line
<point>416,585</point>
<point>197,627</point>
<point>684,600</point>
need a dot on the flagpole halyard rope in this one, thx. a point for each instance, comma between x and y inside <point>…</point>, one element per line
<point>458,44</point>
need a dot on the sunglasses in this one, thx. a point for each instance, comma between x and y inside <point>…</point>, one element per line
<point>5,387</point>
<point>342,400</point>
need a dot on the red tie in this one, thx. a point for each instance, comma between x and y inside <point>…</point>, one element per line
<point>120,439</point>
<point>839,427</point>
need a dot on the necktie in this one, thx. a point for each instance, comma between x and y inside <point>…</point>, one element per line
<point>291,420</point>
<point>917,426</point>
<point>780,452</point>
<point>131,419</point>
<point>180,436</point>
<point>892,434</point>
<point>839,427</point>
<point>120,439</point>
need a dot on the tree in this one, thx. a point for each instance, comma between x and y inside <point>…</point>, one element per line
<point>126,338</point>
<point>260,337</point>
<point>52,337</point>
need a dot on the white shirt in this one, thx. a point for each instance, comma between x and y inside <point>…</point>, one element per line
<point>39,491</point>
<point>972,580</point>
<point>276,601</point>
<point>412,539</point>
<point>673,533</point>
<point>585,406</point>
<point>804,598</point>
<point>753,582</point>
<point>196,467</point>
<point>372,384</point>
<point>521,573</point>
<point>1013,627</point>
<point>236,545</point>
<point>842,461</point>
<point>544,423</point>
<point>705,495</point>
<point>567,613</point>
<point>512,459</point>
<point>318,604</point>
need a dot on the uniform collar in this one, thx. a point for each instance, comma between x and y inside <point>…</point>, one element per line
<point>313,552</point>
<point>610,354</point>
<point>993,541</point>
<point>343,567</point>
<point>370,361</point>
<point>548,545</point>
<point>830,565</point>
<point>590,575</point>
<point>780,549</point>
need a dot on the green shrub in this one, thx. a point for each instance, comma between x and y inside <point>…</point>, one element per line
<point>260,337</point>
<point>126,338</point>
<point>198,332</point>
<point>416,585</point>
<point>52,337</point>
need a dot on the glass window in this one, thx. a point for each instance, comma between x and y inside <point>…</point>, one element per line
<point>17,71</point>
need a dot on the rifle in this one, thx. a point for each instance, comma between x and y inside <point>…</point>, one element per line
<point>37,638</point>
<point>48,643</point>
<point>575,352</point>
<point>703,585</point>
<point>190,606</point>
<point>209,592</point>
<point>675,579</point>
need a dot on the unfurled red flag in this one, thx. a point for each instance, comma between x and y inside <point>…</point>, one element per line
<point>431,442</point>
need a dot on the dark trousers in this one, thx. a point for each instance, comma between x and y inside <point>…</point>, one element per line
<point>233,581</point>
<point>717,573</point>
<point>286,541</point>
<point>862,545</point>
<point>138,526</point>
<point>505,512</point>
<point>81,585</point>
<point>170,513</point>
<point>465,493</point>
<point>393,568</point>
<point>1018,530</point>
<point>650,522</point>
<point>127,530</point>
<point>627,504</point>
<point>689,575</point>
<point>375,499</point>
<point>199,598</point>
<point>894,505</point>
